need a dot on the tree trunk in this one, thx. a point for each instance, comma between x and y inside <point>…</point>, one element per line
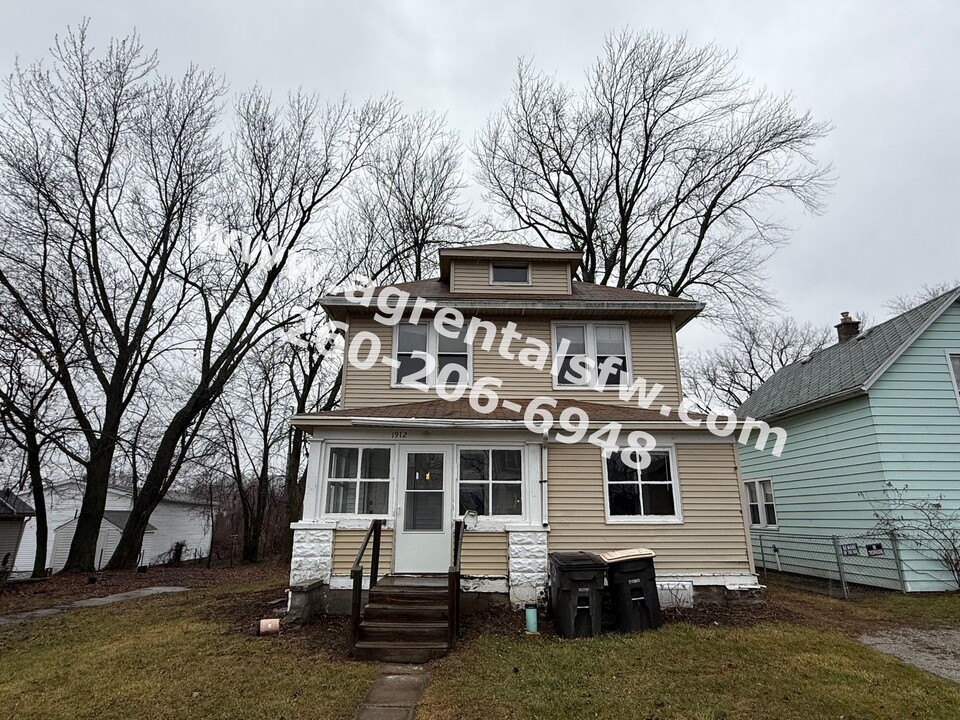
<point>35,473</point>
<point>83,549</point>
<point>152,489</point>
<point>293,492</point>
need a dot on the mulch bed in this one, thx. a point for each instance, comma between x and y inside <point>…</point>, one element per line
<point>63,588</point>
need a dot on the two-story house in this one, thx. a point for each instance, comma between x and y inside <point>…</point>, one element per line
<point>404,450</point>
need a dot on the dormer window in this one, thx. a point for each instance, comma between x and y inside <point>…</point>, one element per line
<point>503,273</point>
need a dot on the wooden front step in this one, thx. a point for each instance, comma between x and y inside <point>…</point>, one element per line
<point>402,652</point>
<point>405,620</point>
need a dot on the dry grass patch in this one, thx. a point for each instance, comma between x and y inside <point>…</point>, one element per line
<point>684,672</point>
<point>192,654</point>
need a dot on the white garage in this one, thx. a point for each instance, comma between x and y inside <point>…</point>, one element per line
<point>176,519</point>
<point>114,521</point>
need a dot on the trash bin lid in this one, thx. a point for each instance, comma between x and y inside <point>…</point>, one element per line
<point>615,556</point>
<point>577,559</point>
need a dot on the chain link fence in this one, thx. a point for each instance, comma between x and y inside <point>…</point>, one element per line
<point>842,565</point>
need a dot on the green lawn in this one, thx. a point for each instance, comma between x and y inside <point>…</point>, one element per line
<point>811,668</point>
<point>170,657</point>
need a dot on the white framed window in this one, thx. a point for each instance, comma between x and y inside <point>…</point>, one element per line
<point>423,356</point>
<point>760,503</point>
<point>509,273</point>
<point>490,481</point>
<point>650,495</point>
<point>358,481</point>
<point>594,355</point>
<point>953,360</point>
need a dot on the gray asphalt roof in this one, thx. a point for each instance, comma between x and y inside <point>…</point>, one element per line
<point>841,368</point>
<point>11,505</point>
<point>119,518</point>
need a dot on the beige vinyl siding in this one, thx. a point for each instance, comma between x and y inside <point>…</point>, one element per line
<point>345,546</point>
<point>546,278</point>
<point>652,349</point>
<point>711,539</point>
<point>484,553</point>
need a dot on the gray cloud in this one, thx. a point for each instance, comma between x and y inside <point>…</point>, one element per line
<point>884,73</point>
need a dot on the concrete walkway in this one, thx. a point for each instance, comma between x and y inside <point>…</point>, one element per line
<point>394,694</point>
<point>89,602</point>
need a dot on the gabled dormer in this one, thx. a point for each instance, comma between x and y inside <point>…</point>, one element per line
<point>508,269</point>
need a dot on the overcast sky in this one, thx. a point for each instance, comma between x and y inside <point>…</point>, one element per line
<point>885,74</point>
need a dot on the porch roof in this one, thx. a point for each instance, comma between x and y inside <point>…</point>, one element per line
<point>461,411</point>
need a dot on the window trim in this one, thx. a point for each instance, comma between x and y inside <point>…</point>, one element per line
<point>675,519</point>
<point>953,373</point>
<point>591,348</point>
<point>762,506</point>
<point>325,479</point>
<point>524,500</point>
<point>527,283</point>
<point>432,346</point>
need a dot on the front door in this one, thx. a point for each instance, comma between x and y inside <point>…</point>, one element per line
<point>422,537</point>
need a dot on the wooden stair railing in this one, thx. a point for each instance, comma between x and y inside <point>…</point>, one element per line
<point>453,586</point>
<point>356,574</point>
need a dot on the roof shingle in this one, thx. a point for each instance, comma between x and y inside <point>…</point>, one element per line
<point>842,368</point>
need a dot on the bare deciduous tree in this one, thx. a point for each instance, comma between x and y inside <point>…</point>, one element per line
<point>757,347</point>
<point>104,166</point>
<point>248,444</point>
<point>283,168</point>
<point>924,521</point>
<point>661,170</point>
<point>409,202</point>
<point>903,303</point>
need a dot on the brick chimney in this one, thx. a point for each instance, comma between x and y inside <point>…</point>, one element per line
<point>847,328</point>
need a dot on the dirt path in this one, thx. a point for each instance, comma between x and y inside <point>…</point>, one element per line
<point>936,650</point>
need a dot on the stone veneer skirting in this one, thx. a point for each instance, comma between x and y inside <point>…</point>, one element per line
<point>527,564</point>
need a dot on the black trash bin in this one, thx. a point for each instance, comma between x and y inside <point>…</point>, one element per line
<point>576,588</point>
<point>633,585</point>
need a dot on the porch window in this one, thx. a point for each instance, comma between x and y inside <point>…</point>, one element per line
<point>424,356</point>
<point>648,493</point>
<point>763,511</point>
<point>358,481</point>
<point>510,273</point>
<point>491,482</point>
<point>600,347</point>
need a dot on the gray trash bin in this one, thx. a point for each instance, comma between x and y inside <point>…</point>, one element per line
<point>576,587</point>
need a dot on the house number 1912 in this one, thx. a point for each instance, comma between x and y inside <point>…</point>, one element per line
<point>398,434</point>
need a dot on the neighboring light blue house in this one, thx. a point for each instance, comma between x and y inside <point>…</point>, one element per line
<point>881,406</point>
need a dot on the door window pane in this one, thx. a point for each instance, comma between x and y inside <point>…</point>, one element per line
<point>425,471</point>
<point>423,511</point>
